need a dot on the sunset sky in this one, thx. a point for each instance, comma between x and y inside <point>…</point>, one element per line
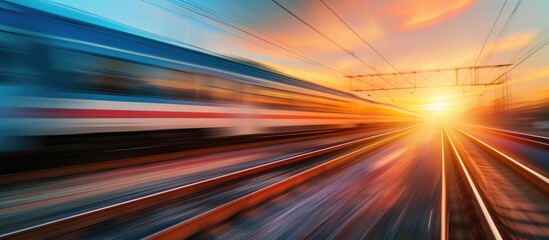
<point>411,34</point>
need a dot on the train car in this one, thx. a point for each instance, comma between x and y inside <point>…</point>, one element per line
<point>63,77</point>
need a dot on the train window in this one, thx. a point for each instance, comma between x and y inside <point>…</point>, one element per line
<point>248,96</point>
<point>271,97</point>
<point>16,60</point>
<point>169,83</point>
<point>92,73</point>
<point>261,97</point>
<point>7,61</point>
<point>222,90</point>
<point>302,101</point>
<point>215,89</point>
<point>115,76</point>
<point>238,88</point>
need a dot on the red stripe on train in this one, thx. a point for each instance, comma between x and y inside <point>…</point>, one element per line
<point>109,113</point>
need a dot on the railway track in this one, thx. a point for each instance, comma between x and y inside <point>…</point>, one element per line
<point>485,194</point>
<point>536,140</point>
<point>211,219</point>
<point>73,169</point>
<point>490,194</point>
<point>291,171</point>
<point>354,200</point>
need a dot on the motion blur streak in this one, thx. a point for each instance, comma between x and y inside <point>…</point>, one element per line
<point>187,119</point>
<point>71,83</point>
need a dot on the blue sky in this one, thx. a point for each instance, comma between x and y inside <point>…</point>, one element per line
<point>412,34</point>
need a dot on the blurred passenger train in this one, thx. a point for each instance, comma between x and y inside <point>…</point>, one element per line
<point>63,77</point>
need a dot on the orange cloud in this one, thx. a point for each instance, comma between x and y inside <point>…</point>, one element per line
<point>421,13</point>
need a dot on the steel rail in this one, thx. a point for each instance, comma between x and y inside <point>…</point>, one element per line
<point>521,166</point>
<point>78,221</point>
<point>203,221</point>
<point>487,217</point>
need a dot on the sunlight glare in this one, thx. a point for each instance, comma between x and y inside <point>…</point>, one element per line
<point>437,108</point>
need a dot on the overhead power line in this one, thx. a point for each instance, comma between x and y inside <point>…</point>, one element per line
<point>304,58</point>
<point>541,35</point>
<point>147,34</point>
<point>330,40</point>
<point>502,32</point>
<point>229,22</point>
<point>363,40</point>
<point>528,55</point>
<point>532,51</point>
<point>487,37</point>
<point>490,32</point>
<point>225,21</point>
<point>486,40</point>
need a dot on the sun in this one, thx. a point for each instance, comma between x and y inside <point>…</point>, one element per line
<point>437,108</point>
